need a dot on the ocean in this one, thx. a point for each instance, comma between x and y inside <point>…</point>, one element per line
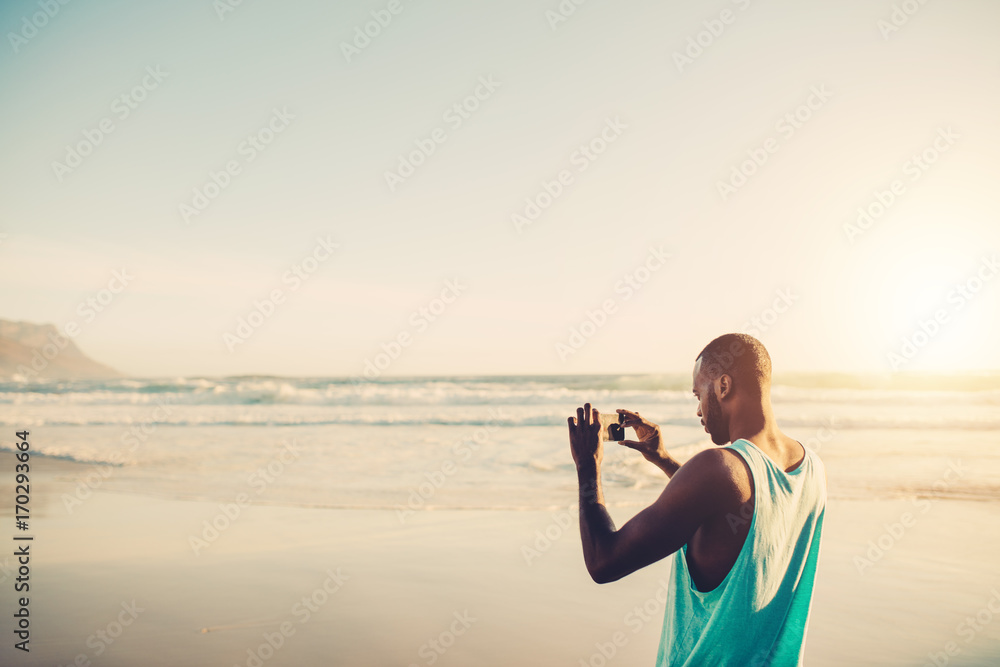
<point>423,444</point>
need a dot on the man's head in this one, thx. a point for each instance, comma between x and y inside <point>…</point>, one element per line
<point>732,376</point>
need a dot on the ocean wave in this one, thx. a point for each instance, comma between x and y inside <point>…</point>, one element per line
<point>902,422</point>
<point>274,392</point>
<point>555,390</point>
<point>60,454</point>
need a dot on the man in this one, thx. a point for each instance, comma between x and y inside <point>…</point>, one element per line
<point>744,519</point>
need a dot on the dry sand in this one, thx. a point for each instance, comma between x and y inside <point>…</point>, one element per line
<point>378,592</point>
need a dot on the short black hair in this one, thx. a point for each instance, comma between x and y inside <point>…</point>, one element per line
<point>738,355</point>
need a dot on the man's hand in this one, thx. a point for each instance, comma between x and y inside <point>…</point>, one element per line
<point>650,444</point>
<point>585,437</point>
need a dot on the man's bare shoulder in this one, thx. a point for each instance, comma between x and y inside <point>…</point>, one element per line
<point>719,463</point>
<point>718,472</point>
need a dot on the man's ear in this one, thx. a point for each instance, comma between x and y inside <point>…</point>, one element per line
<point>724,386</point>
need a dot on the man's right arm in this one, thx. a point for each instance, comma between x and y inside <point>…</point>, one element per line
<point>701,490</point>
<point>650,444</point>
<point>667,464</point>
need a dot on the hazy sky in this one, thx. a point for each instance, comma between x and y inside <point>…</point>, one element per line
<point>838,109</point>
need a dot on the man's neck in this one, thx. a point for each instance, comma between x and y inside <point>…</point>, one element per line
<point>758,426</point>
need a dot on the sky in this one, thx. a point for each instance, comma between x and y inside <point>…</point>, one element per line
<point>212,188</point>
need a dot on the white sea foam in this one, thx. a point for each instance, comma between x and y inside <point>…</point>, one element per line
<point>388,444</point>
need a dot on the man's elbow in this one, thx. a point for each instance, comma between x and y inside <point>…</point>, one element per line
<point>603,574</point>
<point>600,578</point>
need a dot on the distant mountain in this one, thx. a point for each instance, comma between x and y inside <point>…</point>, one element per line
<point>41,351</point>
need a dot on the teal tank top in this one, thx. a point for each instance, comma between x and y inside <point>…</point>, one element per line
<point>757,616</point>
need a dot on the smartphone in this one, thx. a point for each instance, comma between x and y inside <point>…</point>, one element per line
<point>611,426</point>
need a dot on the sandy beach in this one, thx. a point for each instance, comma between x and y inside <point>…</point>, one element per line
<point>117,582</point>
<point>298,299</point>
